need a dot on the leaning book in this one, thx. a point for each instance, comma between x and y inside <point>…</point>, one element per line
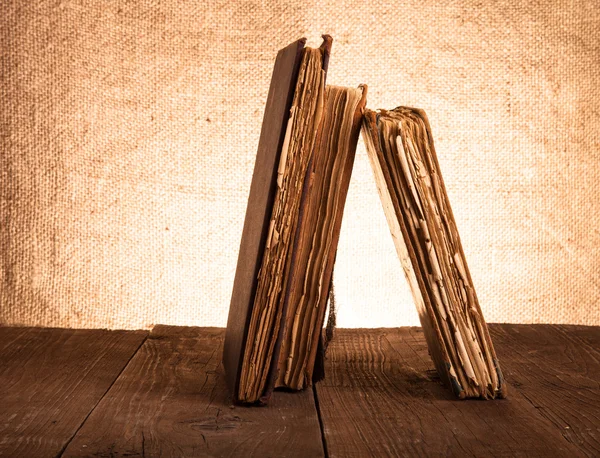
<point>409,180</point>
<point>291,230</point>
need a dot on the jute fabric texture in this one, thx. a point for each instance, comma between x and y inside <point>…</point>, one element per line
<point>128,131</point>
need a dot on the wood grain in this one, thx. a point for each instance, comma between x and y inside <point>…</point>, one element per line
<point>50,380</point>
<point>381,397</point>
<point>172,401</point>
<point>557,369</point>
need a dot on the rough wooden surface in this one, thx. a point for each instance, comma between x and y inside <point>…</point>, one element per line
<point>382,398</point>
<point>172,401</point>
<point>557,369</point>
<point>50,380</point>
<point>81,393</point>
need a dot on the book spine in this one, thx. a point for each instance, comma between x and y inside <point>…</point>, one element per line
<point>260,203</point>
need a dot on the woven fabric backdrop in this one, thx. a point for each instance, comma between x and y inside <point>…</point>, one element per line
<point>129,130</point>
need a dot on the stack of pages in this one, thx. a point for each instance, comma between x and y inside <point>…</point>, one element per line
<point>291,230</point>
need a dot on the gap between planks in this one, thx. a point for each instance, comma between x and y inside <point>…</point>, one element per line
<point>62,451</point>
<point>51,378</point>
<point>399,377</point>
<point>172,400</point>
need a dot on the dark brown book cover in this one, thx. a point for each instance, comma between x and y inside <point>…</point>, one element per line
<point>260,202</point>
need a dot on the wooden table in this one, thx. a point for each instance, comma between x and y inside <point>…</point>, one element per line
<point>133,393</point>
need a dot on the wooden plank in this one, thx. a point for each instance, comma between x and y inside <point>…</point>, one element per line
<point>557,369</point>
<point>172,400</point>
<point>50,380</point>
<point>381,397</point>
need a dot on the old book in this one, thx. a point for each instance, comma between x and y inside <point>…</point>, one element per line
<point>400,148</point>
<point>260,203</point>
<point>326,187</point>
<point>290,234</point>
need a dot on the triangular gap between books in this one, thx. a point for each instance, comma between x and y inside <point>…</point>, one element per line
<point>291,231</point>
<point>371,288</point>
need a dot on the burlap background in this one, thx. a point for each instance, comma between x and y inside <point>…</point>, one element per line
<point>128,134</point>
